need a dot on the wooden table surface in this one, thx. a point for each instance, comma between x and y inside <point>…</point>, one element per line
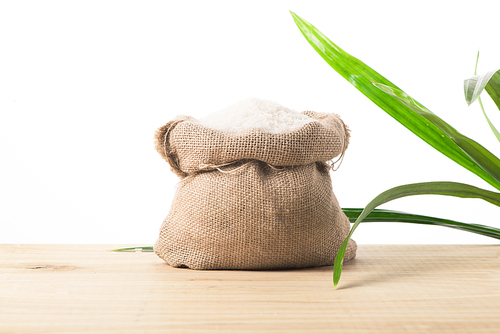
<point>386,289</point>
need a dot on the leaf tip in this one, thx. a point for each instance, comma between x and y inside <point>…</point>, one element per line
<point>336,281</point>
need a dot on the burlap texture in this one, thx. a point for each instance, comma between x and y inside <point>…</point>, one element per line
<point>253,200</point>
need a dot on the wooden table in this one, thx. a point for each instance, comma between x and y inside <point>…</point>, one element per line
<point>387,289</point>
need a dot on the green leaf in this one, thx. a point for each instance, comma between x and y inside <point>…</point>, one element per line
<point>470,88</point>
<point>480,155</point>
<point>426,188</point>
<point>134,249</point>
<point>474,86</point>
<point>492,127</point>
<point>493,88</point>
<point>389,216</point>
<point>361,76</point>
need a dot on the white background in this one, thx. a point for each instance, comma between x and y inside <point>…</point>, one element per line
<point>84,85</point>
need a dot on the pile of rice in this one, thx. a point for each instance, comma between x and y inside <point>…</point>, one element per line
<point>254,113</point>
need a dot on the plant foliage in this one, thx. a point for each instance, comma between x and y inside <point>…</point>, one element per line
<point>419,120</point>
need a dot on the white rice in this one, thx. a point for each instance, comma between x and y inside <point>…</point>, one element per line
<point>253,113</point>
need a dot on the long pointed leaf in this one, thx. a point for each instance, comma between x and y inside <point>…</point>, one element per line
<point>470,90</point>
<point>426,188</point>
<point>484,158</point>
<point>493,88</point>
<point>492,127</point>
<point>134,249</point>
<point>361,76</point>
<point>474,86</point>
<point>389,216</point>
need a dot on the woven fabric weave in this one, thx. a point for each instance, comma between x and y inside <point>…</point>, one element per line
<point>253,200</point>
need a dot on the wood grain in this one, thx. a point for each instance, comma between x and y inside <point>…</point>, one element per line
<point>387,289</point>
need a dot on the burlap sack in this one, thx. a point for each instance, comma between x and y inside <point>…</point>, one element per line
<point>253,200</point>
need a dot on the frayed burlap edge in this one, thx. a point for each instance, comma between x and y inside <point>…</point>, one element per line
<point>163,147</point>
